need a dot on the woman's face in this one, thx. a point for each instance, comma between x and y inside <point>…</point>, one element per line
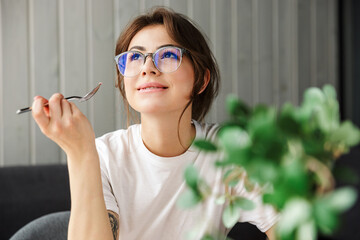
<point>154,92</point>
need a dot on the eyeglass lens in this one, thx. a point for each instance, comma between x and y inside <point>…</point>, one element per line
<point>166,60</point>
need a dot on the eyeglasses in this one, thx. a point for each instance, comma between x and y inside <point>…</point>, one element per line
<point>166,60</point>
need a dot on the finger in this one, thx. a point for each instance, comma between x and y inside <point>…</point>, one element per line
<point>38,112</point>
<point>45,106</point>
<point>75,109</point>
<point>66,108</point>
<point>55,106</point>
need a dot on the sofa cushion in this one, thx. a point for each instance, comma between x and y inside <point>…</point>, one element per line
<point>28,192</point>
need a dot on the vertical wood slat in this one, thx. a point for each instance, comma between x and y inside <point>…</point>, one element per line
<point>234,47</point>
<point>190,9</point>
<point>322,43</point>
<point>200,12</point>
<point>31,63</point>
<point>285,52</point>
<point>45,71</point>
<point>15,82</point>
<point>245,56</point>
<point>265,52</point>
<point>72,52</point>
<point>332,47</point>
<point>255,51</point>
<point>275,46</point>
<point>222,39</point>
<point>89,56</point>
<point>313,58</point>
<point>2,159</point>
<point>294,53</point>
<point>102,37</point>
<point>213,114</point>
<point>304,46</point>
<point>179,6</point>
<point>153,3</point>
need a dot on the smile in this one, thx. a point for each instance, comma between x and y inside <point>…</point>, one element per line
<point>151,87</point>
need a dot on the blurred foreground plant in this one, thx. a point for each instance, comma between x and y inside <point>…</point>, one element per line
<point>291,154</point>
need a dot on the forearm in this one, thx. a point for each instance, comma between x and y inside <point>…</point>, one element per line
<point>89,218</point>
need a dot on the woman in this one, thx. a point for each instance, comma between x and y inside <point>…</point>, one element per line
<point>133,177</point>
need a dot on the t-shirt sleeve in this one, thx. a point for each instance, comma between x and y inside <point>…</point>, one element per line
<point>263,216</point>
<point>110,200</point>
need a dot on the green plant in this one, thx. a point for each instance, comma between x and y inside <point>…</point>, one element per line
<point>290,152</point>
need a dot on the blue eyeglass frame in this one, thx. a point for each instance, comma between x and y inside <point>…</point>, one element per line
<point>182,51</point>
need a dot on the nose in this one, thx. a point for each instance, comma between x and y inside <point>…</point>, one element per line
<point>149,67</point>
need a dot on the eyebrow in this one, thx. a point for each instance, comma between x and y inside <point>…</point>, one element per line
<point>141,48</point>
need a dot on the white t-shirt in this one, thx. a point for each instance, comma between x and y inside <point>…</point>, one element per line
<point>143,188</point>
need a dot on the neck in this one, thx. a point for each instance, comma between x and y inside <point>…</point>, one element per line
<point>165,136</point>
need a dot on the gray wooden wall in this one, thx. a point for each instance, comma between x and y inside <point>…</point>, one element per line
<point>268,51</point>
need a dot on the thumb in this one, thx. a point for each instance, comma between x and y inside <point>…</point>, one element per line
<point>39,114</point>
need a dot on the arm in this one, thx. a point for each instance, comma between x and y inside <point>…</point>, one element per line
<point>114,222</point>
<point>271,233</point>
<point>63,123</point>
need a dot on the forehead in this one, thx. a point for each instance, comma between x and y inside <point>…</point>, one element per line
<point>151,37</point>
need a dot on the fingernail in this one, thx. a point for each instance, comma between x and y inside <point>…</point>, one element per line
<point>36,97</point>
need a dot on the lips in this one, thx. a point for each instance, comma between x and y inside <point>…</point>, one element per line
<point>151,86</point>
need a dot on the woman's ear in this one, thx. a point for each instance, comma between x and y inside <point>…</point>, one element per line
<point>206,81</point>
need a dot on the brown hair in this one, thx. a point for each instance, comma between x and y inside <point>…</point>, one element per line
<point>187,35</point>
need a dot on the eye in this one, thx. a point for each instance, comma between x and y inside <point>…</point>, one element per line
<point>134,56</point>
<point>169,54</point>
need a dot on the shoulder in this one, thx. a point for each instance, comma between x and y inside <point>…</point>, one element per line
<point>114,141</point>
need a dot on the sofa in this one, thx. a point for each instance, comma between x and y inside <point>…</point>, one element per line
<point>30,192</point>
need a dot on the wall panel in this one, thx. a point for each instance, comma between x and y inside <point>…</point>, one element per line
<point>268,51</point>
<point>44,71</point>
<point>101,68</point>
<point>16,129</point>
<point>245,46</point>
<point>222,39</point>
<point>2,159</point>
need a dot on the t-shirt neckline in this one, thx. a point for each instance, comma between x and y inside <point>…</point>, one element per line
<point>189,154</point>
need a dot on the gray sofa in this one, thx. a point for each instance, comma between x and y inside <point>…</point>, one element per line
<point>27,193</point>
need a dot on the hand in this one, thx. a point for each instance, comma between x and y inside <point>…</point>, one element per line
<point>64,123</point>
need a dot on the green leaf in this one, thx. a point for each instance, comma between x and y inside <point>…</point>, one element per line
<point>288,122</point>
<point>313,96</point>
<point>191,177</point>
<point>307,231</point>
<point>237,108</point>
<point>347,133</point>
<point>205,145</point>
<point>326,219</point>
<point>233,182</point>
<point>208,237</point>
<point>297,211</point>
<point>341,199</point>
<point>220,200</point>
<point>233,137</point>
<point>188,199</point>
<point>243,203</point>
<point>295,178</point>
<point>329,91</point>
<point>230,216</point>
<point>262,171</point>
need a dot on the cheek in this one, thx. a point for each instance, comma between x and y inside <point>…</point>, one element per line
<point>128,87</point>
<point>186,81</point>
